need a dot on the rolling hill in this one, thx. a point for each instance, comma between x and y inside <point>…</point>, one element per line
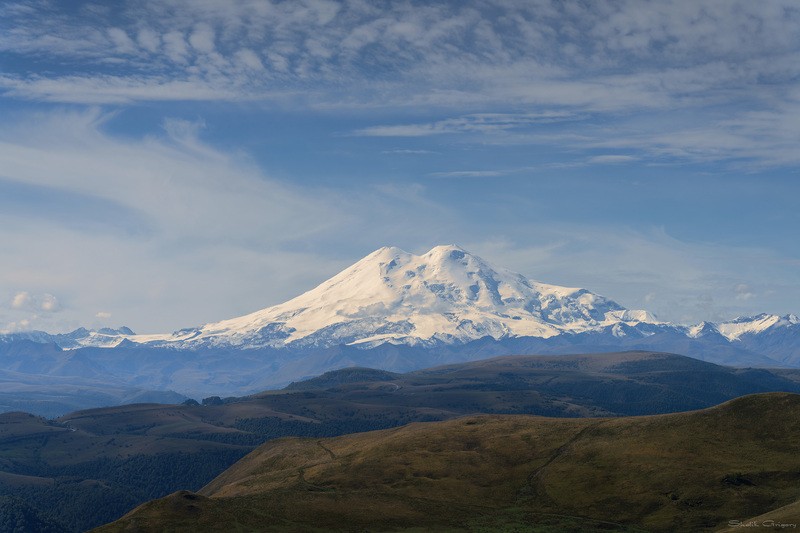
<point>680,472</point>
<point>94,459</point>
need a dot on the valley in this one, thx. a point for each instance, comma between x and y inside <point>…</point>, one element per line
<point>89,467</point>
<point>695,471</point>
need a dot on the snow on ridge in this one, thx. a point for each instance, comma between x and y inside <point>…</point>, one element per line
<point>395,296</point>
<point>633,316</point>
<point>445,295</point>
<point>736,328</point>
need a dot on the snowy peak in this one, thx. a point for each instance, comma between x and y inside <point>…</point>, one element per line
<point>445,295</point>
<point>104,337</point>
<point>702,329</point>
<point>743,326</point>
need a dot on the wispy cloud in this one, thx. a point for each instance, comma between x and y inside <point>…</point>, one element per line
<point>611,159</point>
<point>469,174</point>
<point>679,281</point>
<point>485,123</point>
<point>106,89</point>
<point>548,61</point>
<point>406,151</point>
<point>743,138</point>
<point>203,210</point>
<point>165,231</point>
<point>25,301</point>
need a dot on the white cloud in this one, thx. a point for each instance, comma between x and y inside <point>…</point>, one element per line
<point>551,53</point>
<point>49,303</point>
<point>481,123</point>
<point>175,47</point>
<point>149,40</point>
<point>406,151</point>
<point>185,132</point>
<point>644,269</point>
<point>19,325</point>
<point>202,38</point>
<point>550,60</point>
<point>404,130</point>
<point>123,43</point>
<point>469,174</point>
<point>207,213</point>
<point>743,292</point>
<point>21,300</point>
<point>631,81</point>
<point>102,315</point>
<point>221,239</point>
<point>25,301</point>
<point>162,180</point>
<point>115,89</point>
<point>249,59</point>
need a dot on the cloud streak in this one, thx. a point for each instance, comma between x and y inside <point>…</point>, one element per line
<point>203,212</point>
<point>484,123</point>
<point>163,232</point>
<point>678,281</point>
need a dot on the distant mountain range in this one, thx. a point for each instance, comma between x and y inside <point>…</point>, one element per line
<point>396,311</point>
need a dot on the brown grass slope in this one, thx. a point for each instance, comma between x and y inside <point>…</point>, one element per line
<point>786,518</point>
<point>681,472</point>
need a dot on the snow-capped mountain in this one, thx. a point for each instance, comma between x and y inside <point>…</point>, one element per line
<point>743,327</point>
<point>79,338</point>
<point>391,296</point>
<point>395,311</point>
<point>446,296</point>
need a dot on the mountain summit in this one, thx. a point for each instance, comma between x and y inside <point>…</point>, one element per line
<point>447,298</point>
<point>395,311</point>
<point>446,295</point>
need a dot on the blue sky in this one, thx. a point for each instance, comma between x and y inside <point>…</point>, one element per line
<point>169,163</point>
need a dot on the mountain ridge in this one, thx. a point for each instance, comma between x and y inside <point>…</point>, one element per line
<point>445,296</point>
<point>394,311</point>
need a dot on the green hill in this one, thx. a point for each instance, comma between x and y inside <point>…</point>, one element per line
<point>92,466</point>
<point>681,472</point>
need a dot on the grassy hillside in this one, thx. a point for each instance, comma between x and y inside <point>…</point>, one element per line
<point>681,472</point>
<point>92,466</point>
<point>786,518</point>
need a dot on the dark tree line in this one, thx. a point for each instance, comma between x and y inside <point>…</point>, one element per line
<point>87,495</point>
